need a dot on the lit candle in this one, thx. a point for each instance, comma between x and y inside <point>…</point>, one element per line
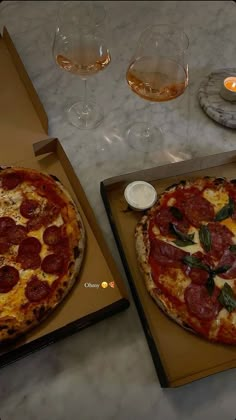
<point>230,83</point>
<point>228,90</point>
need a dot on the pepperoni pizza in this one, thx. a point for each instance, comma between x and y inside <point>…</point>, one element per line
<point>42,241</point>
<point>186,248</point>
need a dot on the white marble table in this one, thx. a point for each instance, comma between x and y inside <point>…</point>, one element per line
<point>106,371</point>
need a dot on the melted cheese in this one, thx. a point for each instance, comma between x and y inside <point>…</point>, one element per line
<point>217,198</point>
<point>176,282</point>
<point>10,204</point>
<point>231,225</point>
<point>219,282</point>
<point>233,318</point>
<point>171,201</point>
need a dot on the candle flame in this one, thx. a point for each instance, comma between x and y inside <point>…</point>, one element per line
<point>230,83</point>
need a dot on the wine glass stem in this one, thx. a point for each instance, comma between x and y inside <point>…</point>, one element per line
<point>85,105</point>
<point>146,132</point>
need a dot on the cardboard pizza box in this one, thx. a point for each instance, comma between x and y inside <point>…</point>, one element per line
<point>24,142</point>
<point>178,355</point>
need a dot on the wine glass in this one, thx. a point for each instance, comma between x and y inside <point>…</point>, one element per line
<point>80,47</point>
<point>157,72</point>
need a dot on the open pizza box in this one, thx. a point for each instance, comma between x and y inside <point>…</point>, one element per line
<point>179,356</point>
<point>24,142</point>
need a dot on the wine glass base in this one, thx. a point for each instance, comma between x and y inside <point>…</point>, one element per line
<point>144,137</point>
<point>87,117</point>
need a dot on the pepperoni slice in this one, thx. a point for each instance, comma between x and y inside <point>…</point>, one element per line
<point>46,216</point>
<point>62,247</point>
<point>4,245</point>
<point>53,264</point>
<point>36,289</point>
<point>200,303</point>
<point>166,254</point>
<point>52,235</point>
<point>51,211</point>
<point>11,180</point>
<point>9,277</point>
<point>29,246</point>
<point>205,258</point>
<point>5,224</point>
<point>221,238</point>
<point>16,234</point>
<point>198,209</point>
<point>183,195</point>
<point>163,219</point>
<point>29,208</point>
<point>27,261</point>
<point>35,224</point>
<point>228,258</point>
<point>197,275</point>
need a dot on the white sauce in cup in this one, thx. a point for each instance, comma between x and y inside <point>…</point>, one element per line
<point>140,195</point>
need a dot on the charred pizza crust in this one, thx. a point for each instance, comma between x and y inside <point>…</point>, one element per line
<point>20,308</point>
<point>223,327</point>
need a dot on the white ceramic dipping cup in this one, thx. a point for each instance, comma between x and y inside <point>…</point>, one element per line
<point>140,195</point>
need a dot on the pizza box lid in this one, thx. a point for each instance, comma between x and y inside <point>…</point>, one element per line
<point>24,142</point>
<point>178,355</point>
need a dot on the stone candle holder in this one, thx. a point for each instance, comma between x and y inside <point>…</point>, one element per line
<point>217,96</point>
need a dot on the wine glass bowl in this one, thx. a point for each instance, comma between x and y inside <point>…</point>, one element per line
<point>86,59</point>
<point>157,72</point>
<point>168,83</point>
<point>80,47</point>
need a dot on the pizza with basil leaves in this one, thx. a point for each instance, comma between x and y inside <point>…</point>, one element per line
<point>186,248</point>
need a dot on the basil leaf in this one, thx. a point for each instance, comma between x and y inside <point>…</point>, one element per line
<point>226,211</point>
<point>182,236</point>
<point>221,269</point>
<point>232,248</point>
<point>179,242</point>
<point>176,213</point>
<point>227,298</point>
<point>194,262</point>
<point>205,237</point>
<point>210,284</point>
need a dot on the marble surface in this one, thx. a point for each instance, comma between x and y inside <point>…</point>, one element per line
<point>211,101</point>
<point>106,371</point>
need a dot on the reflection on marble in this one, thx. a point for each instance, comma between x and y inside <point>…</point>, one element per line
<point>106,372</point>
